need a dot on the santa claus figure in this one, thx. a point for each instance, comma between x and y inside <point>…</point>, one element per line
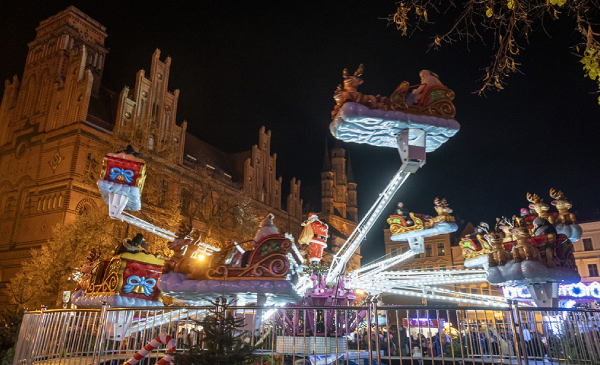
<point>315,235</point>
<point>266,228</point>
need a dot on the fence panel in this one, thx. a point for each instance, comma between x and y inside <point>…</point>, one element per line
<point>321,335</point>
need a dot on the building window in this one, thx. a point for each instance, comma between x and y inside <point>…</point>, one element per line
<point>593,270</point>
<point>588,245</point>
<point>404,249</point>
<point>394,252</point>
<point>430,268</point>
<point>443,267</point>
<point>151,143</point>
<point>474,290</point>
<point>428,251</point>
<point>417,256</point>
<point>441,249</point>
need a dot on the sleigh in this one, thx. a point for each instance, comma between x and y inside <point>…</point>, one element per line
<point>398,224</point>
<point>475,250</point>
<point>530,218</point>
<point>269,260</point>
<point>130,275</point>
<point>562,248</point>
<point>436,100</point>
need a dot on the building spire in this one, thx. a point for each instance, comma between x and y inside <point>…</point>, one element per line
<point>349,173</point>
<point>326,160</point>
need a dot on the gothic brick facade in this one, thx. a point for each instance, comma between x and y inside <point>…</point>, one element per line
<point>51,121</point>
<point>338,202</point>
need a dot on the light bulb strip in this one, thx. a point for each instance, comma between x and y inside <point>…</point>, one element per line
<point>418,283</point>
<point>385,286</point>
<point>389,261</point>
<point>349,247</point>
<point>444,298</point>
<point>438,297</point>
<point>434,273</point>
<point>470,295</point>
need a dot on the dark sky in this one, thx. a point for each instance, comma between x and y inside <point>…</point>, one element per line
<point>241,65</point>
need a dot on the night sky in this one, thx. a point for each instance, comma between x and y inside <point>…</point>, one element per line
<point>242,65</point>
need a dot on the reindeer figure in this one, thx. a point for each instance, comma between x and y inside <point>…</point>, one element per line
<point>177,261</point>
<point>499,256</point>
<point>506,226</point>
<point>349,93</point>
<point>523,250</point>
<point>443,210</point>
<point>86,269</point>
<point>562,205</point>
<point>539,206</point>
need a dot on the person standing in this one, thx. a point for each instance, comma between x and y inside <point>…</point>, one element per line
<point>403,340</point>
<point>416,353</point>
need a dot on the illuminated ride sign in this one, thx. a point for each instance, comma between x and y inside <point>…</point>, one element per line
<point>423,322</point>
<point>579,290</point>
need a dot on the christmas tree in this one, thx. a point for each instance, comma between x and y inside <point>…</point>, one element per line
<point>224,341</point>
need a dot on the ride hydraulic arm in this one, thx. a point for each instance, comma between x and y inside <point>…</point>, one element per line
<point>411,145</point>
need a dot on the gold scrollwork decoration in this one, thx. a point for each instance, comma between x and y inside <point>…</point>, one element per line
<point>217,273</point>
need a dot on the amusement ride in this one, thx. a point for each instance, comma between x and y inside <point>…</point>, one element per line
<point>533,250</point>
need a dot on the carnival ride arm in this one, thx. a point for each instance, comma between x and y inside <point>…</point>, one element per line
<point>411,145</point>
<point>343,255</point>
<point>204,248</point>
<point>380,265</point>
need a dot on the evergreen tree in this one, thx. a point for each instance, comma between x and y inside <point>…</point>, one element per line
<point>10,323</point>
<point>223,342</point>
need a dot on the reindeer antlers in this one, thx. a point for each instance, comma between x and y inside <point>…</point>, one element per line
<point>484,227</point>
<point>360,70</point>
<point>557,196</point>
<point>358,73</point>
<point>517,222</point>
<point>534,198</point>
<point>503,222</point>
<point>94,254</point>
<point>441,203</point>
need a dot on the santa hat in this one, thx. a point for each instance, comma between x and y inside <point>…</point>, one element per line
<point>267,227</point>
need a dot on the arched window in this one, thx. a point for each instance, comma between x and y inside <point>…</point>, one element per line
<point>151,143</point>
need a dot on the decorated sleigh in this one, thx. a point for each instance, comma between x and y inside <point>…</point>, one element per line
<point>398,224</point>
<point>127,279</point>
<point>268,260</point>
<point>260,274</point>
<point>476,249</point>
<point>416,227</point>
<point>436,100</point>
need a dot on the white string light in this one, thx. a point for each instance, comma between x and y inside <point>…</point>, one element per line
<point>349,247</point>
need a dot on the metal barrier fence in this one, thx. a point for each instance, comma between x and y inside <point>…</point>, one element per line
<point>322,335</point>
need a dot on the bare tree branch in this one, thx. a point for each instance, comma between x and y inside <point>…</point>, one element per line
<point>505,22</point>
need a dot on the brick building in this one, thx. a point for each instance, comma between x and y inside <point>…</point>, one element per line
<point>58,111</point>
<point>587,252</point>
